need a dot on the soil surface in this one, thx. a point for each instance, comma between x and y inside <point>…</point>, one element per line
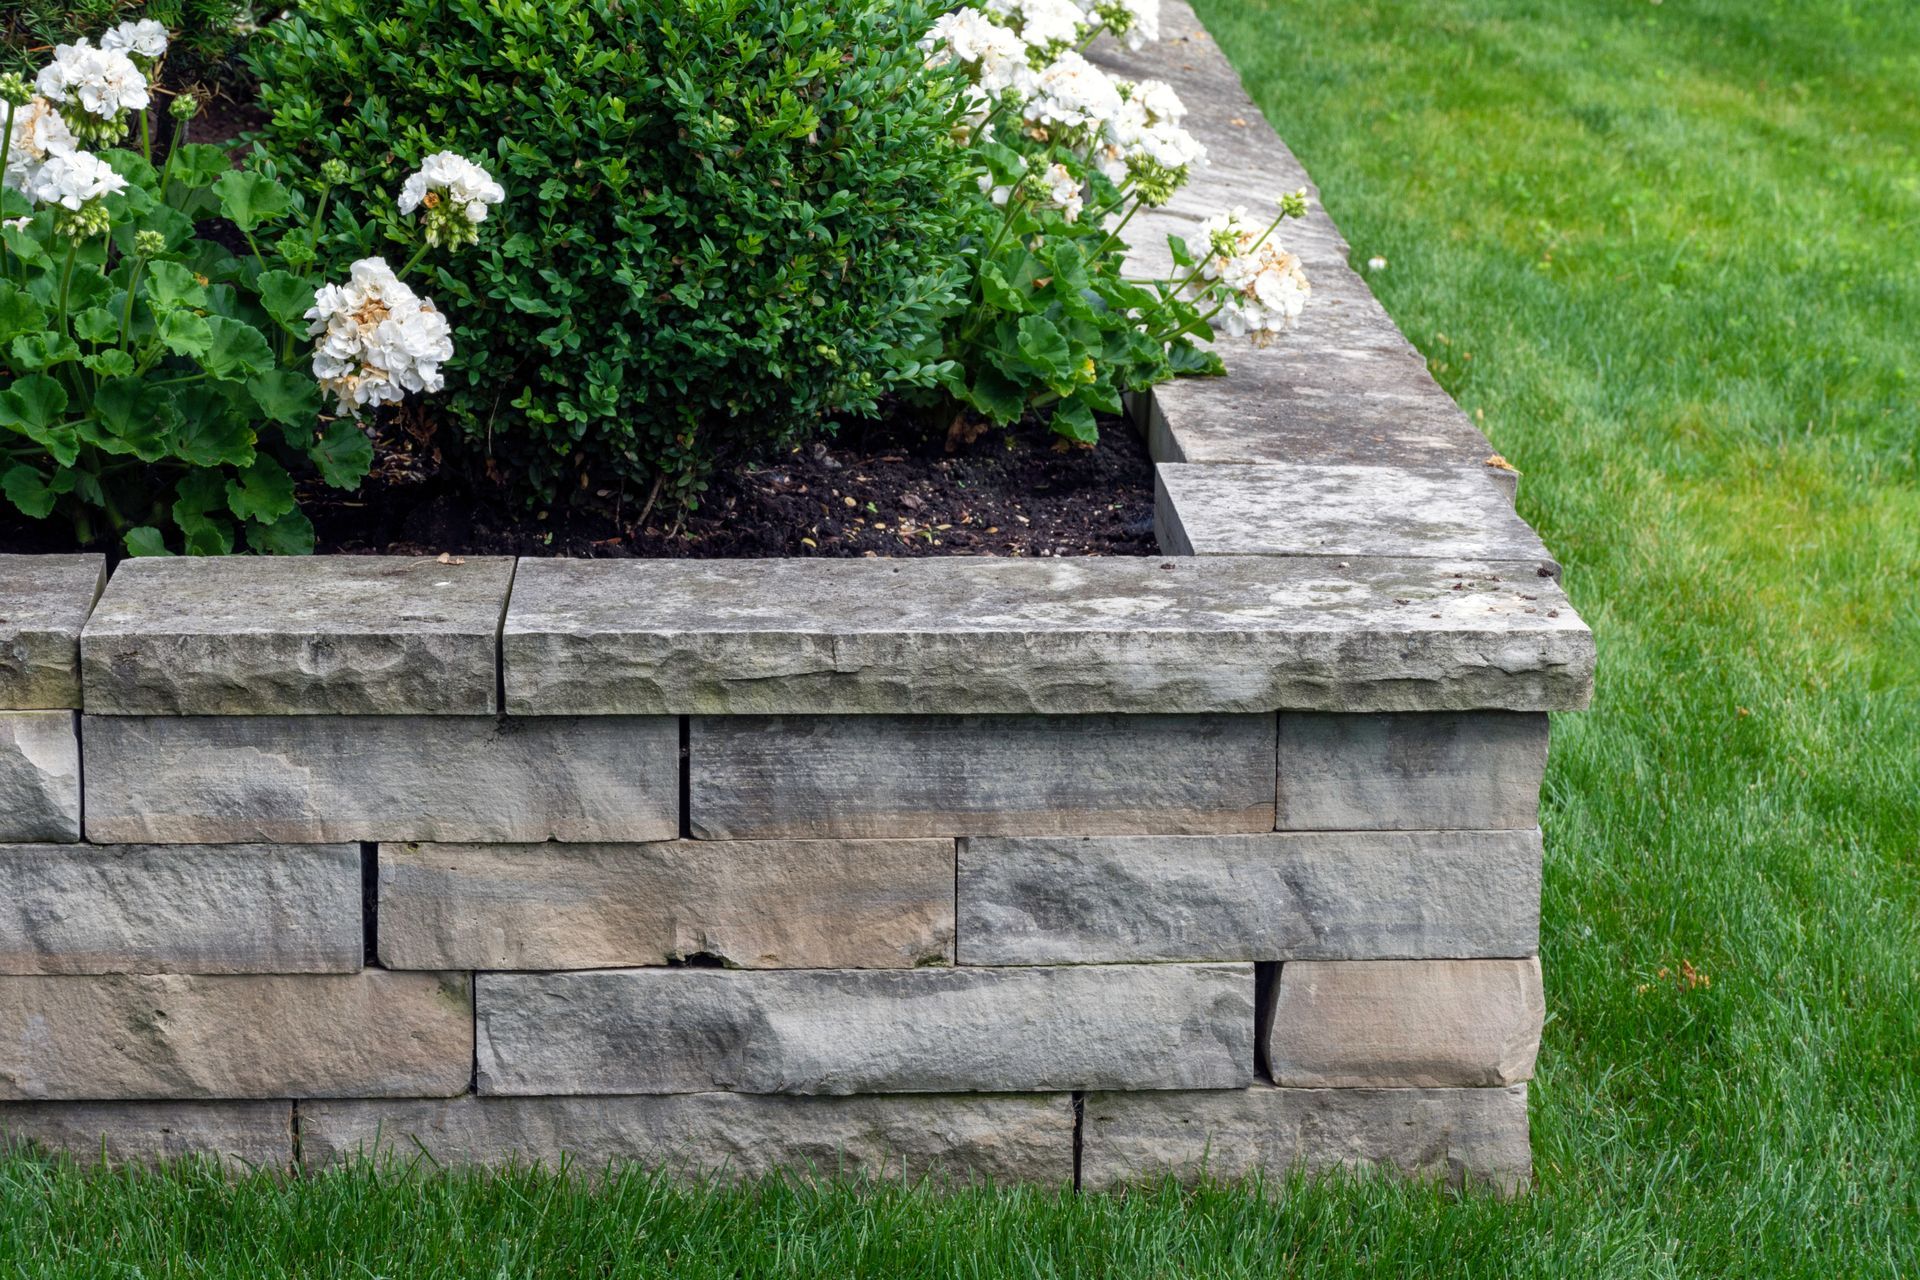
<point>878,489</point>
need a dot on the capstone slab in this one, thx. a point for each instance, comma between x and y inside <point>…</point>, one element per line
<point>241,1136</point>
<point>1474,771</point>
<point>843,1031</point>
<point>947,635</point>
<point>777,904</point>
<point>1002,1138</point>
<point>1357,1024</point>
<point>317,779</point>
<point>44,601</point>
<point>304,635</point>
<point>39,776</point>
<point>1457,1136</point>
<point>69,908</point>
<point>1285,509</point>
<point>1290,896</point>
<point>756,777</point>
<point>170,1036</point>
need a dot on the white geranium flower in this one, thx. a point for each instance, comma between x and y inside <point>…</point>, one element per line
<point>102,82</point>
<point>1057,187</point>
<point>143,39</point>
<point>1266,286</point>
<point>38,134</point>
<point>456,194</point>
<point>1135,21</point>
<point>994,56</point>
<point>996,192</point>
<point>1073,95</point>
<point>1045,26</point>
<point>74,179</point>
<point>17,224</point>
<point>375,339</point>
<point>1145,143</point>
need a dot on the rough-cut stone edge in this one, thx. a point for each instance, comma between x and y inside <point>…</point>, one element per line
<point>242,1136</point>
<point>40,637</point>
<point>40,764</point>
<point>316,636</point>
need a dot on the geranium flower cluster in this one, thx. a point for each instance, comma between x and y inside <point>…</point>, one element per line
<point>1264,286</point>
<point>376,339</point>
<point>456,193</point>
<point>100,85</point>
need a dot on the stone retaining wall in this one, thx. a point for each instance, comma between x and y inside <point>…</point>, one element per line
<point>1066,872</point>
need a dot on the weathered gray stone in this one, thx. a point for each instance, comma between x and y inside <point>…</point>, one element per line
<point>1278,509</point>
<point>368,1034</point>
<point>837,1031</point>
<point>1415,1023</point>
<point>39,776</point>
<point>1297,896</point>
<point>998,636</point>
<point>1455,1135</point>
<point>1004,1138</point>
<point>342,635</point>
<point>1477,770</point>
<point>180,909</point>
<point>44,602</point>
<point>759,777</point>
<point>242,1136</point>
<point>295,779</point>
<point>777,904</point>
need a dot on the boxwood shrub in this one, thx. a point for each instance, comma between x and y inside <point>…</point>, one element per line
<point>726,221</point>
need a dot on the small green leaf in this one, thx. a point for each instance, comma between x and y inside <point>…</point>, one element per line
<point>27,489</point>
<point>199,509</point>
<point>996,395</point>
<point>1000,295</point>
<point>130,417</point>
<point>249,199</point>
<point>286,297</point>
<point>43,350</point>
<point>208,433</point>
<point>290,399</point>
<point>173,286</point>
<point>1045,348</point>
<point>343,455</point>
<point>199,164</point>
<point>19,312</point>
<point>183,332</point>
<point>111,363</point>
<point>263,491</point>
<point>145,540</point>
<point>237,350</point>
<point>1075,421</point>
<point>97,324</point>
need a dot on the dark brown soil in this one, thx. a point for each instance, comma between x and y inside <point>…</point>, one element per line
<point>880,489</point>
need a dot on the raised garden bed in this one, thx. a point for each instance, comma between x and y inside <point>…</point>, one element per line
<point>1060,870</point>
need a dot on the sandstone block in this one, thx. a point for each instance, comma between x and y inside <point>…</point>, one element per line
<point>1405,1023</point>
<point>262,635</point>
<point>1004,1138</point>
<point>1289,896</point>
<point>39,776</point>
<point>242,1136</point>
<point>44,601</point>
<point>369,1034</point>
<point>775,904</point>
<point>1478,770</point>
<point>315,779</point>
<point>756,777</point>
<point>1285,509</point>
<point>179,909</point>
<point>1061,637</point>
<point>840,1031</point>
<point>1453,1135</point>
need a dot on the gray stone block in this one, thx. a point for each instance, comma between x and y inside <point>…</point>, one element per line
<point>314,779</point>
<point>1457,1136</point>
<point>39,776</point>
<point>368,1034</point>
<point>839,1031</point>
<point>777,904</point>
<point>44,601</point>
<point>757,777</point>
<point>1002,1138</point>
<point>1405,1023</point>
<point>180,909</point>
<point>336,635</point>
<point>999,636</point>
<point>242,1136</point>
<point>1477,770</point>
<point>1283,509</point>
<point>1295,896</point>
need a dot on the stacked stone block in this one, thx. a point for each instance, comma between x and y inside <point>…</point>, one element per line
<point>1069,872</point>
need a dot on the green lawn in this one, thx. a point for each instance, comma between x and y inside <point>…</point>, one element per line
<point>1668,250</point>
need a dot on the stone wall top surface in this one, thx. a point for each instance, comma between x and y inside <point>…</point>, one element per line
<point>339,635</point>
<point>979,636</point>
<point>43,604</point>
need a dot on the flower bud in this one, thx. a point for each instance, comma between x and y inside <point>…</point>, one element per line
<point>1293,204</point>
<point>149,244</point>
<point>184,107</point>
<point>333,172</point>
<point>14,89</point>
<point>89,220</point>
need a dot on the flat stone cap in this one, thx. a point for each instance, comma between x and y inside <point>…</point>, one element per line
<point>44,602</point>
<point>1005,636</point>
<point>335,635</point>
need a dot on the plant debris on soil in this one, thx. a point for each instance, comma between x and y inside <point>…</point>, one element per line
<point>884,488</point>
